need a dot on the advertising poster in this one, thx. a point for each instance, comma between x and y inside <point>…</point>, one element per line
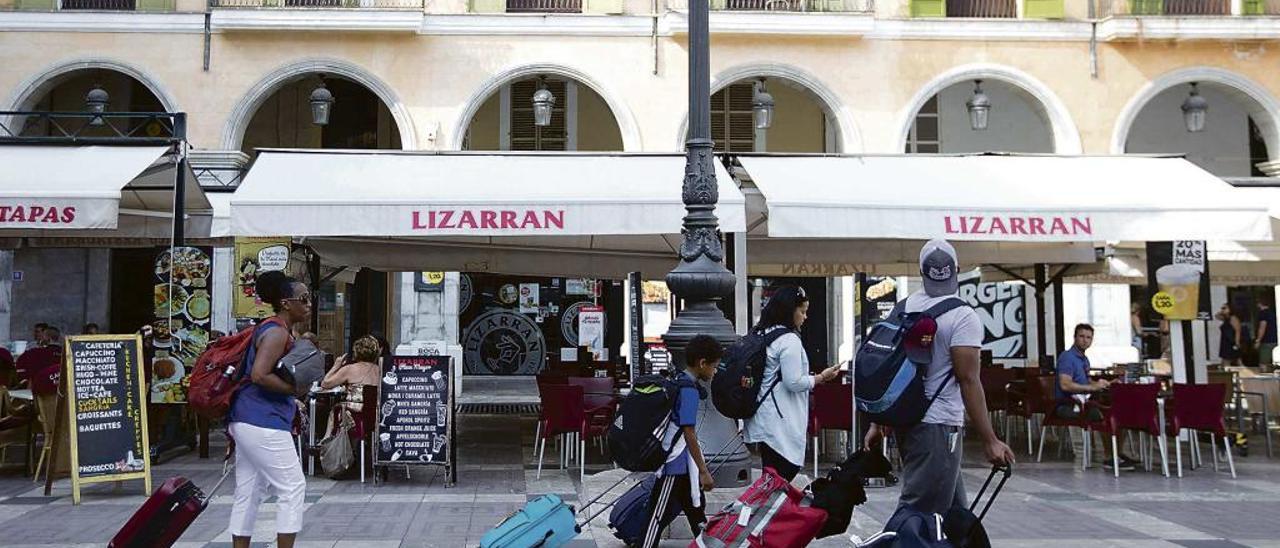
<point>1178,279</point>
<point>529,298</point>
<point>254,255</point>
<point>1004,318</point>
<point>183,311</point>
<point>107,409</point>
<point>878,299</point>
<point>591,330</point>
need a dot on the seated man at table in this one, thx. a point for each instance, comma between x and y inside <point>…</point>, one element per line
<point>1074,389</point>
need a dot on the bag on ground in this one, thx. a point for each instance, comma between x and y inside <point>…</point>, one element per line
<point>736,387</point>
<point>960,527</point>
<point>165,515</point>
<point>629,519</point>
<point>841,490</point>
<point>336,455</point>
<point>769,514</point>
<point>890,366</point>
<point>219,373</point>
<point>545,522</point>
<point>637,435</point>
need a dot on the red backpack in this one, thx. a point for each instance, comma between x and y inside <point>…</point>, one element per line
<point>219,373</point>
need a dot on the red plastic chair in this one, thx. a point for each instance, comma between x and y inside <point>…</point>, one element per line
<point>995,385</point>
<point>831,408</point>
<point>1034,400</point>
<point>1133,407</point>
<point>564,414</point>
<point>1198,407</point>
<point>600,402</point>
<point>1052,420</point>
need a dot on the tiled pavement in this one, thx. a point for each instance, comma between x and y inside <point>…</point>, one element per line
<point>1050,504</point>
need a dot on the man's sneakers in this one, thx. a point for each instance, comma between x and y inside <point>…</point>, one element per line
<point>1126,464</point>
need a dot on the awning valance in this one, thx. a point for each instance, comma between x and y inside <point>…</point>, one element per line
<point>1001,198</point>
<point>70,187</point>
<point>551,214</point>
<point>384,194</point>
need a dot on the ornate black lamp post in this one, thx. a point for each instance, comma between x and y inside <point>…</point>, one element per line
<point>700,279</point>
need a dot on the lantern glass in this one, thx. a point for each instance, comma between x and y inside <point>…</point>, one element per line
<point>96,102</point>
<point>321,105</point>
<point>979,107</point>
<point>543,102</point>
<point>1194,110</point>
<point>762,107</point>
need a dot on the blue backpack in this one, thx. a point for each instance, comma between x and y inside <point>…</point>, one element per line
<point>888,383</point>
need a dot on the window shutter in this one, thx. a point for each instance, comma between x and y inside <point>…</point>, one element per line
<point>928,8</point>
<point>1254,7</point>
<point>1146,7</point>
<point>525,135</point>
<point>1044,9</point>
<point>732,119</point>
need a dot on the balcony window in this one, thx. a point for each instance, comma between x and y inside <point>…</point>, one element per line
<point>982,8</point>
<point>544,6</point>
<point>105,5</point>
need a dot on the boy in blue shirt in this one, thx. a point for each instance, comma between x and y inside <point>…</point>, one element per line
<point>675,484</point>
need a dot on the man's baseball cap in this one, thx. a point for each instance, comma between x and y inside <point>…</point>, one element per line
<point>939,268</point>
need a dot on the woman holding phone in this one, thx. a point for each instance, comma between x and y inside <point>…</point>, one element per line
<point>780,425</point>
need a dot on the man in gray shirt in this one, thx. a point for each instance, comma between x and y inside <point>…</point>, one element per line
<point>932,450</point>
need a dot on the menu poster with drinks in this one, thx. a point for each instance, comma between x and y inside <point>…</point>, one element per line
<point>1178,279</point>
<point>415,412</point>
<point>107,407</point>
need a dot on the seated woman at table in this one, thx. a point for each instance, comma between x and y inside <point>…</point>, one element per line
<point>354,374</point>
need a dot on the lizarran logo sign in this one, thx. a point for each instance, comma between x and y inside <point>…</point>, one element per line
<point>1029,225</point>
<point>488,219</point>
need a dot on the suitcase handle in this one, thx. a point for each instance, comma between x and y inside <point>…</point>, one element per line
<point>1008,471</point>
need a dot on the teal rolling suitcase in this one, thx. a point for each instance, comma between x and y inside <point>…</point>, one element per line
<point>545,522</point>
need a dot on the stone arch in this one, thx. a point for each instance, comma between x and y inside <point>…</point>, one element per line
<point>630,131</point>
<point>849,138</point>
<point>1066,136</point>
<point>248,105</point>
<point>1261,105</point>
<point>37,86</point>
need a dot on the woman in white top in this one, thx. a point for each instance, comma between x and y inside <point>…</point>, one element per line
<point>780,425</point>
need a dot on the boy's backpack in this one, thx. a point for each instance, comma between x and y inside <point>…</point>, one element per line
<point>219,372</point>
<point>735,390</point>
<point>637,435</point>
<point>890,366</point>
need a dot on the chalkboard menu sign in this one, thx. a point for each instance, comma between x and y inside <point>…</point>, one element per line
<point>415,413</point>
<point>107,409</point>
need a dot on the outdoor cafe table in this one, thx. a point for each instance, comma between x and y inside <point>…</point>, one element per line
<point>316,394</point>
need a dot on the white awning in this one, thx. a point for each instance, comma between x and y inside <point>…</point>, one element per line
<point>1000,198</point>
<point>597,215</point>
<point>70,187</point>
<point>381,193</point>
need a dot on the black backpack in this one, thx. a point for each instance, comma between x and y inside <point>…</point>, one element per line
<point>888,385</point>
<point>735,390</point>
<point>636,435</point>
<point>841,490</point>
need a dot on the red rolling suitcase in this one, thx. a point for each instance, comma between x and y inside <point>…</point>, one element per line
<point>165,515</point>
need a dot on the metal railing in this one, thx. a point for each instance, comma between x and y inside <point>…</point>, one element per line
<point>1181,8</point>
<point>105,5</point>
<point>321,4</point>
<point>544,6</point>
<point>89,128</point>
<point>982,8</point>
<point>829,6</point>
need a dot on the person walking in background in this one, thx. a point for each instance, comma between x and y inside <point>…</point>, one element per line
<point>933,449</point>
<point>1265,338</point>
<point>261,418</point>
<point>1232,336</point>
<point>780,425</point>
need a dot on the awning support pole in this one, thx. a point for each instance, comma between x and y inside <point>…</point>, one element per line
<point>180,179</point>
<point>313,272</point>
<point>1042,316</point>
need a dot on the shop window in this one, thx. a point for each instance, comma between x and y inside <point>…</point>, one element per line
<point>923,137</point>
<point>732,121</point>
<point>524,134</point>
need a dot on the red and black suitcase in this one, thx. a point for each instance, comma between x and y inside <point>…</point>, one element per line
<point>165,515</point>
